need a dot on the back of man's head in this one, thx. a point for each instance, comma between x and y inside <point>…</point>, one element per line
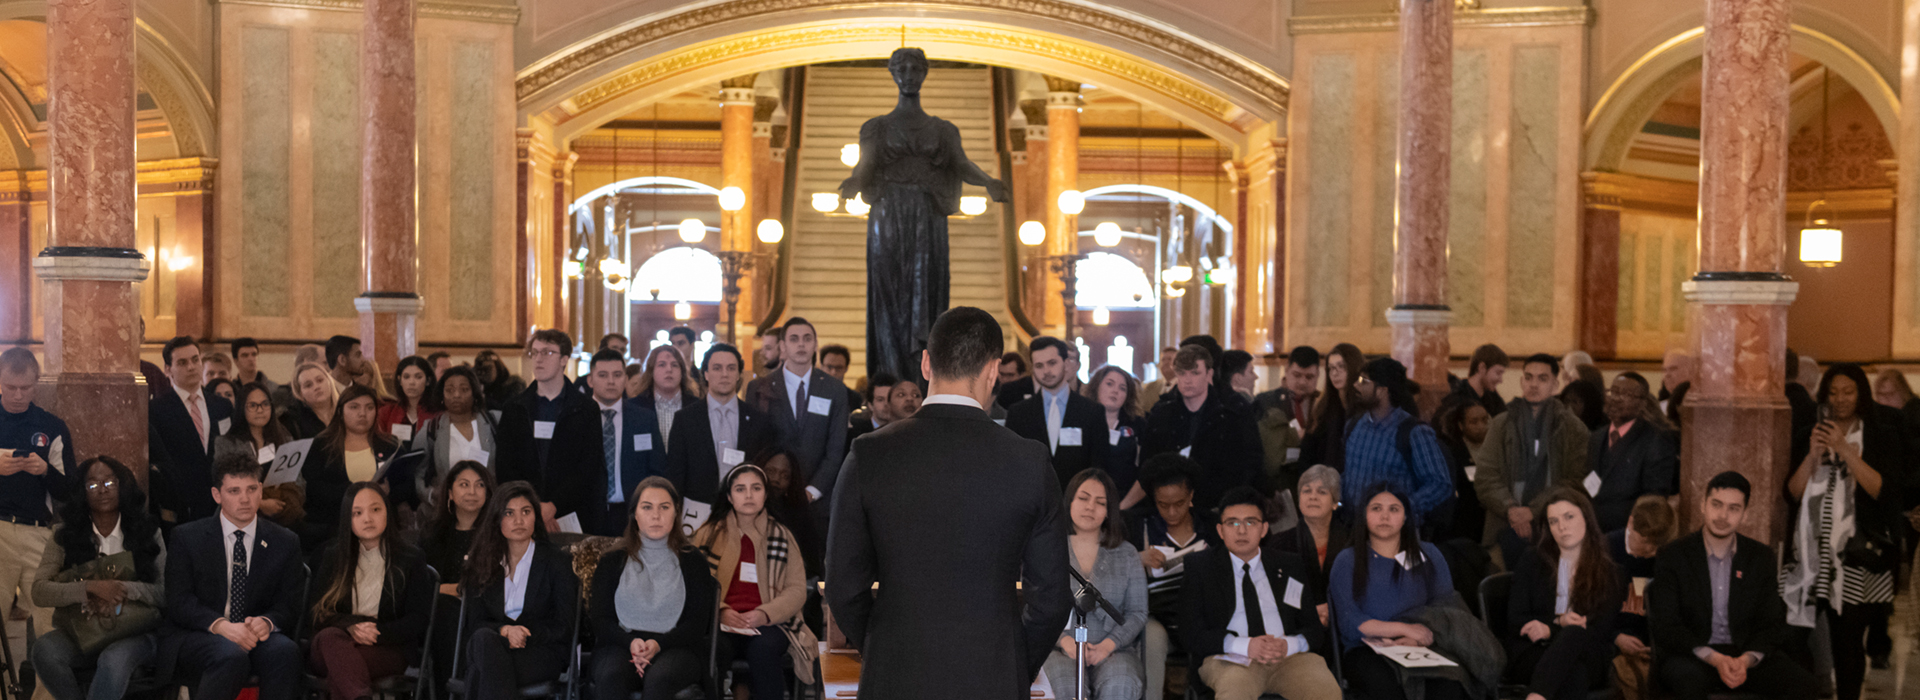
<point>1386,373</point>
<point>1485,356</point>
<point>963,342</point>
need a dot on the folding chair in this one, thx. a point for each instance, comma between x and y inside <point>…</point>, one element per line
<point>416,681</point>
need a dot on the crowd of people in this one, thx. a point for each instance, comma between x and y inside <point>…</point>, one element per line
<point>1290,541</point>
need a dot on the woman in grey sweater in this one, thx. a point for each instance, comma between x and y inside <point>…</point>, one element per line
<point>1099,552</point>
<point>104,516</point>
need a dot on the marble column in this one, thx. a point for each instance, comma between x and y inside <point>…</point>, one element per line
<point>1599,265</point>
<point>564,300</point>
<point>737,105</point>
<point>1736,416</point>
<point>1063,173</point>
<point>1035,206</point>
<point>1906,202</point>
<point>1419,315</point>
<point>16,297</point>
<point>90,264</point>
<point>388,304</point>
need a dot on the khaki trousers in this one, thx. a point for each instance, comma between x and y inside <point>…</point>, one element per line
<point>1302,676</point>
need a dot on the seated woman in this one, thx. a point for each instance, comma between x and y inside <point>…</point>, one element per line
<point>788,503</point>
<point>257,435</point>
<point>445,539</point>
<point>520,592</point>
<point>762,589</point>
<point>1395,573</point>
<point>652,603</point>
<point>350,450</point>
<point>1165,526</point>
<point>463,432</point>
<point>314,397</point>
<point>414,406</point>
<point>374,595</point>
<point>1322,534</point>
<point>1098,549</point>
<point>105,515</point>
<point>1566,593</point>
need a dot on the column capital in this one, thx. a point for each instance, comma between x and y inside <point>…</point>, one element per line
<point>763,130</point>
<point>736,96</point>
<point>1037,133</point>
<point>1761,289</point>
<point>388,303</point>
<point>92,264</point>
<point>1064,100</point>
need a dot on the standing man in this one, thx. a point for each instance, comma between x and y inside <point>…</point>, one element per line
<point>441,362</point>
<point>182,424</point>
<point>809,410</point>
<point>1150,394</point>
<point>1637,454</point>
<point>550,433</point>
<point>1484,373</point>
<point>683,339</point>
<point>343,360</point>
<point>834,360</point>
<point>712,436</point>
<point>1676,368</point>
<point>36,460</point>
<point>630,443</point>
<point>1295,396</point>
<point>1073,427</point>
<point>216,365</point>
<point>1200,423</point>
<point>614,342</point>
<point>1385,443</point>
<point>246,364</point>
<point>1537,444</point>
<point>879,411</point>
<point>946,620</point>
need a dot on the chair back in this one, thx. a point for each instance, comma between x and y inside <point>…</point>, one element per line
<point>424,672</point>
<point>306,602</point>
<point>459,646</point>
<point>1494,592</point>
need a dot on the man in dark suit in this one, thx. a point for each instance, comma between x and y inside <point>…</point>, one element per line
<point>809,409</point>
<point>1634,456</point>
<point>879,411</point>
<point>714,435</point>
<point>233,583</point>
<point>1715,609</point>
<point>1256,602</point>
<point>629,440</point>
<point>946,621</point>
<point>549,436</point>
<point>1073,427</point>
<point>182,423</point>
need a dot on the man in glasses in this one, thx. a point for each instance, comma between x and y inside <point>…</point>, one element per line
<point>1637,454</point>
<point>36,457</point>
<point>550,435</point>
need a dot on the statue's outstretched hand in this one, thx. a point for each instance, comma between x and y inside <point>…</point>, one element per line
<point>849,189</point>
<point>997,190</point>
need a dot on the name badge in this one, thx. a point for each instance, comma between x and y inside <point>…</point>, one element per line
<point>402,432</point>
<point>1113,436</point>
<point>225,423</point>
<point>1293,454</point>
<point>819,405</point>
<point>1187,451</point>
<point>265,455</point>
<point>1470,469</point>
<point>1294,588</point>
<point>643,442</point>
<point>749,573</point>
<point>1592,483</point>
<point>1002,422</point>
<point>1070,437</point>
<point>730,457</point>
<point>543,430</point>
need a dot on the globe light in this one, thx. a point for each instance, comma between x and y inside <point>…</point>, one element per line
<point>682,311</point>
<point>1107,234</point>
<point>858,206</point>
<point>1072,202</point>
<point>693,230</point>
<point>732,199</point>
<point>770,231</point>
<point>824,202</point>
<point>973,205</point>
<point>850,155</point>
<point>1033,233</point>
<point>1177,274</point>
<point>573,269</point>
<point>1101,316</point>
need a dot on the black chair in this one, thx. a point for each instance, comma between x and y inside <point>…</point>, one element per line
<point>16,681</point>
<point>416,681</point>
<point>565,686</point>
<point>1495,590</point>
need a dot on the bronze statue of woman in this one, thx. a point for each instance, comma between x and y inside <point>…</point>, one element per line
<point>910,171</point>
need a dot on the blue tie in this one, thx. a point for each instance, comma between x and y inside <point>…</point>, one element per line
<point>610,447</point>
<point>237,598</point>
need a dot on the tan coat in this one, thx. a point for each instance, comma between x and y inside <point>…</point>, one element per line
<point>783,577</point>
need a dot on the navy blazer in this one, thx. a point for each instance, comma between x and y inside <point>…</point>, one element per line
<point>198,560</point>
<point>818,442</point>
<point>636,418</point>
<point>547,610</point>
<point>692,465</point>
<point>182,460</point>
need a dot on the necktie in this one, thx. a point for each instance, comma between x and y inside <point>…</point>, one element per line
<point>799,402</point>
<point>1053,423</point>
<point>237,598</point>
<point>199,419</point>
<point>610,448</point>
<point>1256,621</point>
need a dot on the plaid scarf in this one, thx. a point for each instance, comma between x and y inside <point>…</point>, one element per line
<point>773,542</point>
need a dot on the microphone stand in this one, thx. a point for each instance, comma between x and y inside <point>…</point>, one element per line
<point>1085,601</point>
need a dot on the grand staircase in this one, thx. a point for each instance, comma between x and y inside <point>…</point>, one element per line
<point>828,285</point>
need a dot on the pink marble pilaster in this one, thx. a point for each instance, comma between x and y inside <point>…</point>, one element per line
<point>389,303</point>
<point>1743,136</point>
<point>1419,317</point>
<point>16,312</point>
<point>1599,269</point>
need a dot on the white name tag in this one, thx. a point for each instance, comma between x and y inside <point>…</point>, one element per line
<point>730,457</point>
<point>224,424</point>
<point>1113,437</point>
<point>1187,451</point>
<point>543,430</point>
<point>265,454</point>
<point>1002,422</point>
<point>1592,483</point>
<point>749,573</point>
<point>1470,470</point>
<point>1293,454</point>
<point>642,442</point>
<point>1294,588</point>
<point>403,432</point>
<point>1070,437</point>
<point>819,405</point>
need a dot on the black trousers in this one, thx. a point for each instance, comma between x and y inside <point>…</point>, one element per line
<point>672,670</point>
<point>223,667</point>
<point>1565,665</point>
<point>1686,677</point>
<point>1847,632</point>
<point>766,656</point>
<point>496,672</point>
<point>1371,676</point>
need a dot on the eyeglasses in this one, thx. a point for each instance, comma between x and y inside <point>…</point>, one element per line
<point>258,405</point>
<point>1243,525</point>
<point>100,486</point>
<point>542,354</point>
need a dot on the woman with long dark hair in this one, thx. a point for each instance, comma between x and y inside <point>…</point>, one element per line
<point>257,436</point>
<point>1566,592</point>
<point>1462,428</point>
<point>1098,549</point>
<point>521,593</point>
<point>762,588</point>
<point>104,517</point>
<point>445,538</point>
<point>464,431</point>
<point>351,449</point>
<point>414,403</point>
<point>373,596</point>
<point>653,599</point>
<point>1387,572</point>
<point>1327,443</point>
<point>499,385</point>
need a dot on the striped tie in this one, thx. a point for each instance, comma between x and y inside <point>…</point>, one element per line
<point>610,448</point>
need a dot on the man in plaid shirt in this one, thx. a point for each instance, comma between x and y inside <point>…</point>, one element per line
<point>1386,443</point>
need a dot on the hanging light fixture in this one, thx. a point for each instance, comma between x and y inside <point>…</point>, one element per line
<point>573,269</point>
<point>1174,292</point>
<point>771,231</point>
<point>732,199</point>
<point>850,155</point>
<point>824,202</point>
<point>858,206</point>
<point>1177,274</point>
<point>1033,233</point>
<point>973,205</point>
<point>1821,243</point>
<point>1101,316</point>
<point>1072,202</point>
<point>693,230</point>
<point>682,311</point>
<point>1107,234</point>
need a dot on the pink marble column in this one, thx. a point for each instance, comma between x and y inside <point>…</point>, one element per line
<point>1419,315</point>
<point>1599,267</point>
<point>16,311</point>
<point>389,304</point>
<point>91,305</point>
<point>1736,416</point>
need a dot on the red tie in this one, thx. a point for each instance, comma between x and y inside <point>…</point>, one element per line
<point>1613,437</point>
<point>199,419</point>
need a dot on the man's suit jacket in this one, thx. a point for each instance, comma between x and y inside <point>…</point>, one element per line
<point>635,463</point>
<point>1206,600</point>
<point>1646,460</point>
<point>574,476</point>
<point>691,463</point>
<point>1680,599</point>
<point>818,442</point>
<point>198,561</point>
<point>1015,391</point>
<point>184,462</point>
<point>1028,419</point>
<point>946,511</point>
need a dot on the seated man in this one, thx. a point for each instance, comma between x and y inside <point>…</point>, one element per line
<point>233,582</point>
<point>1715,610</point>
<point>1650,527</point>
<point>1249,613</point>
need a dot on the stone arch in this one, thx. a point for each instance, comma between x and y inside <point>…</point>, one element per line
<point>159,68</point>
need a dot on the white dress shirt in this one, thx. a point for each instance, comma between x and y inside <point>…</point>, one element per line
<point>516,583</point>
<point>794,382</point>
<point>459,448</point>
<point>950,399</point>
<point>249,535</point>
<point>116,542</point>
<point>723,417</point>
<point>1237,641</point>
<point>1054,404</point>
<point>619,452</point>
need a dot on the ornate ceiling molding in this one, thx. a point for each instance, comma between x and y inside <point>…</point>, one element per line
<point>427,9</point>
<point>1381,22</point>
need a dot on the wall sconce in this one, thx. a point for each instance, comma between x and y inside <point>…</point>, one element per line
<point>1177,274</point>
<point>1072,202</point>
<point>858,206</point>
<point>1107,234</point>
<point>732,199</point>
<point>177,262</point>
<point>770,231</point>
<point>693,230</point>
<point>682,311</point>
<point>1033,233</point>
<point>1101,316</point>
<point>973,205</point>
<point>573,269</point>
<point>1174,292</point>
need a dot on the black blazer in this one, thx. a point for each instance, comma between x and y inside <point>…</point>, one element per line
<point>946,511</point>
<point>327,482</point>
<point>406,597</point>
<point>174,448</point>
<point>1013,392</point>
<point>819,443</point>
<point>692,465</point>
<point>546,611</point>
<point>1647,460</point>
<point>1207,595</point>
<point>198,560</point>
<point>1028,419</point>
<point>1298,541</point>
<point>1227,447</point>
<point>1535,588</point>
<point>300,421</point>
<point>696,615</point>
<point>573,476</point>
<point>1680,598</point>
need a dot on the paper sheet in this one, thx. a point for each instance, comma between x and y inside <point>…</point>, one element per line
<point>288,460</point>
<point>1414,657</point>
<point>569,523</point>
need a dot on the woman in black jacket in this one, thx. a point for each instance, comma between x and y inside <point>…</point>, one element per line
<point>521,597</point>
<point>653,600</point>
<point>350,450</point>
<point>374,595</point>
<point>1565,594</point>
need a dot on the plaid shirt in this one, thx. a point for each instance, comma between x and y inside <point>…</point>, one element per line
<point>1372,457</point>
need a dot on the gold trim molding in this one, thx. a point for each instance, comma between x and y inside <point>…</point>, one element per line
<point>1499,17</point>
<point>497,14</point>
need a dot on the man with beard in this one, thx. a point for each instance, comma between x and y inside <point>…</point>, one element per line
<point>1536,444</point>
<point>1070,425</point>
<point>1385,443</point>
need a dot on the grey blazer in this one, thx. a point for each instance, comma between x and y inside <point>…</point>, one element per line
<point>434,439</point>
<point>48,594</point>
<point>1121,580</point>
